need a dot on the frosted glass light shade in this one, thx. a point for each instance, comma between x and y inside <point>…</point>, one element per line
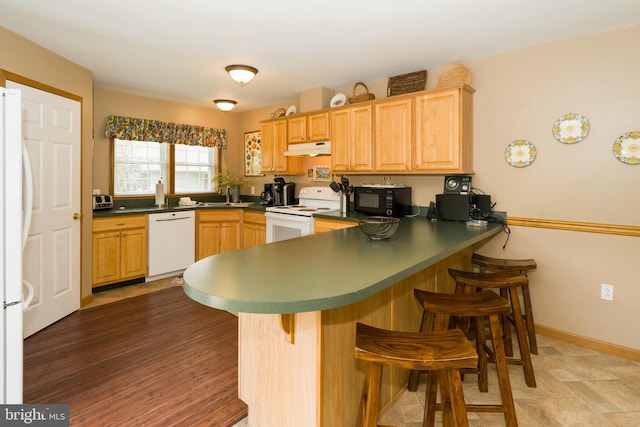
<point>241,74</point>
<point>225,104</point>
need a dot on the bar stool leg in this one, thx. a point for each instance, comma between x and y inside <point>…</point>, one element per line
<point>527,364</point>
<point>430,400</point>
<point>452,383</point>
<point>445,400</point>
<point>370,396</point>
<point>531,328</point>
<point>454,412</point>
<point>425,326</point>
<point>483,377</point>
<point>506,326</point>
<point>503,373</point>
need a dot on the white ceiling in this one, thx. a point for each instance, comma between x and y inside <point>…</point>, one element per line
<point>177,50</point>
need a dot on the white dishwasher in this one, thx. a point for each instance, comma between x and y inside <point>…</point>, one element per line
<point>171,243</point>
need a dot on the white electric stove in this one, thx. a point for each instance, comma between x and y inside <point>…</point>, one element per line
<point>288,222</point>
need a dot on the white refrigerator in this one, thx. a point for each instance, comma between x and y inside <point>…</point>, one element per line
<point>15,213</point>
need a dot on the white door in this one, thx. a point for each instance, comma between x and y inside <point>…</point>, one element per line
<point>51,260</point>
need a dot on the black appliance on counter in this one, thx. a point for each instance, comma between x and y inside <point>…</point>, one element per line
<point>283,192</point>
<point>266,197</point>
<point>462,207</point>
<point>384,200</point>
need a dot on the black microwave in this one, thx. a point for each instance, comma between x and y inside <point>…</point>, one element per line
<point>382,201</point>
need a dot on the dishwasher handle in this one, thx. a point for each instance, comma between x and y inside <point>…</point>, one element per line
<point>171,219</point>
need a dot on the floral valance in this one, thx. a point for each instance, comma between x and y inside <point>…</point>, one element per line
<point>133,129</point>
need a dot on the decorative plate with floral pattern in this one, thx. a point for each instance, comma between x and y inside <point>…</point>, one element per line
<point>627,148</point>
<point>520,153</point>
<point>570,128</point>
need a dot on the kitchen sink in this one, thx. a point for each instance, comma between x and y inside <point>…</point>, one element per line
<point>142,210</point>
<point>224,204</point>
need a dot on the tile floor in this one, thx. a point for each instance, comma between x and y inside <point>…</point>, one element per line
<point>576,386</point>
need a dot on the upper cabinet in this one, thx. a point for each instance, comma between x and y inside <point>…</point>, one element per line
<point>444,131</point>
<point>427,132</point>
<point>392,136</point>
<point>318,127</point>
<point>308,128</point>
<point>352,139</point>
<point>274,144</point>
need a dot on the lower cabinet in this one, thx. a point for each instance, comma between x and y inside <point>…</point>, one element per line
<point>322,225</point>
<point>217,231</point>
<point>119,249</point>
<point>254,229</point>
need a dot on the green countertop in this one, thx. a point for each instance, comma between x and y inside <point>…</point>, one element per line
<point>139,210</point>
<point>326,270</point>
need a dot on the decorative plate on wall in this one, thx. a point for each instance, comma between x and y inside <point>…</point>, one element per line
<point>570,128</point>
<point>520,153</point>
<point>627,148</point>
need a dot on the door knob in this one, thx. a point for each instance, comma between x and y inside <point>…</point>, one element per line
<point>77,215</point>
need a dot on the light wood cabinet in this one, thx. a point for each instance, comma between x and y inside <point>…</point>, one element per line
<point>119,249</point>
<point>254,229</point>
<point>274,144</point>
<point>217,231</point>
<point>318,127</point>
<point>444,131</point>
<point>308,128</point>
<point>297,129</point>
<point>427,132</point>
<point>392,136</point>
<point>352,139</point>
<point>322,225</point>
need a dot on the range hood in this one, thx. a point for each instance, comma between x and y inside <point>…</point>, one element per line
<point>309,149</point>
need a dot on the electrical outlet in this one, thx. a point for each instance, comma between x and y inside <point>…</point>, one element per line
<point>606,292</point>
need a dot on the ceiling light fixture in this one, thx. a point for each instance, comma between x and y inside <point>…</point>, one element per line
<point>241,74</point>
<point>225,104</point>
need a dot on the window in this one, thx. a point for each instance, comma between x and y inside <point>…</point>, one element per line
<point>194,169</point>
<point>139,165</point>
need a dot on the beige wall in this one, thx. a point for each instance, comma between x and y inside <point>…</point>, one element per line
<point>520,95</point>
<point>28,60</point>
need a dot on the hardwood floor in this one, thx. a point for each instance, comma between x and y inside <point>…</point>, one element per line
<point>158,359</point>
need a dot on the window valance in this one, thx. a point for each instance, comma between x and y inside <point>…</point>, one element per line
<point>133,129</point>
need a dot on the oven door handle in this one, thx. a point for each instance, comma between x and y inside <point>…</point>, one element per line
<point>288,217</point>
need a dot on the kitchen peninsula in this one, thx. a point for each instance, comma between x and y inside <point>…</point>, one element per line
<point>298,301</point>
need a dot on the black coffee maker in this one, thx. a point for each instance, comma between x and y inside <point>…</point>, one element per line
<point>283,192</point>
<point>266,197</point>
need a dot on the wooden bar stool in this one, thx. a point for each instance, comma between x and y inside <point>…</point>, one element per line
<point>485,263</point>
<point>509,282</point>
<point>478,306</point>
<point>443,353</point>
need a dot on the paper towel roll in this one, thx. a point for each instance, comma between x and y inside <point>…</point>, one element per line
<point>160,193</point>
